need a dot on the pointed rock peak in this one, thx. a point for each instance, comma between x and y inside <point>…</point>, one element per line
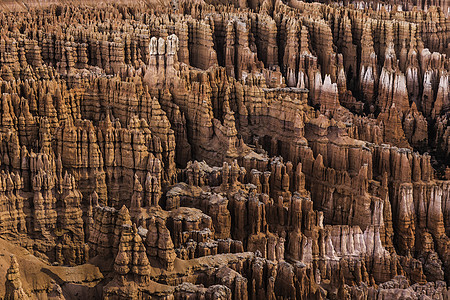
<point>124,211</point>
<point>327,80</point>
<point>319,161</point>
<point>108,121</point>
<point>66,176</point>
<point>136,179</point>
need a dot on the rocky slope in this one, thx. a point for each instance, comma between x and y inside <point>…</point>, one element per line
<point>224,150</point>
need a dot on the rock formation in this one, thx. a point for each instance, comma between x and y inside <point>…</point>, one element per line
<point>13,283</point>
<point>225,149</point>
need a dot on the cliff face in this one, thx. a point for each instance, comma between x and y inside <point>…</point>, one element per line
<point>208,150</point>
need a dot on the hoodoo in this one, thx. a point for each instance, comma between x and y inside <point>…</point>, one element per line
<point>211,149</point>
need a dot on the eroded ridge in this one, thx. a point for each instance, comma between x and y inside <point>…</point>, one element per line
<point>207,150</point>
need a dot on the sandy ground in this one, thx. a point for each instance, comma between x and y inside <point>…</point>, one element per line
<point>36,275</point>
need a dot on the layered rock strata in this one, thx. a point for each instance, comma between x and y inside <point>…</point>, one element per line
<point>208,150</point>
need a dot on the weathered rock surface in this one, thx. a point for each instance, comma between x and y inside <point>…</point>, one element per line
<point>225,150</point>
